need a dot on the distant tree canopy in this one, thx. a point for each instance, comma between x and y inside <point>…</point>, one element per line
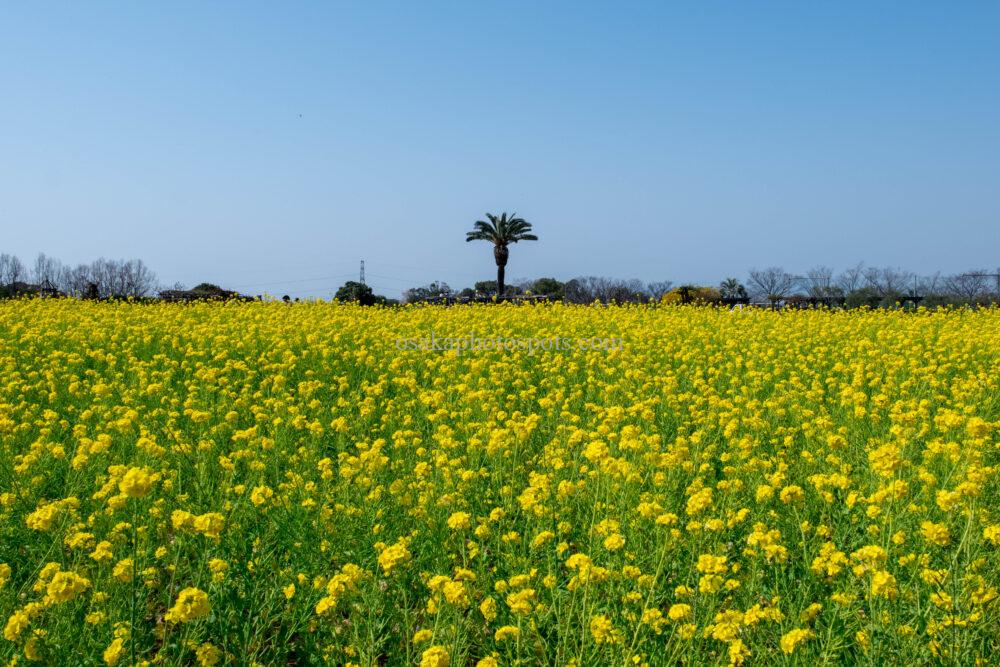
<point>548,287</point>
<point>855,287</point>
<point>485,287</point>
<point>355,291</point>
<point>436,290</point>
<point>692,294</point>
<point>731,288</point>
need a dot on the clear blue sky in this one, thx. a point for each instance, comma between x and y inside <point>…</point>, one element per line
<point>246,143</point>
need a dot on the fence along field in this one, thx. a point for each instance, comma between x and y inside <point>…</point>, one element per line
<point>258,483</point>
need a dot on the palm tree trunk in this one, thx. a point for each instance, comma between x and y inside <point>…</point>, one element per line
<point>500,254</point>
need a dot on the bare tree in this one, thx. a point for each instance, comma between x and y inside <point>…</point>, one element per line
<point>138,279</point>
<point>888,281</point>
<point>773,283</point>
<point>577,290</point>
<point>929,285</point>
<point>851,279</point>
<point>77,280</point>
<point>631,290</point>
<point>969,286</point>
<point>656,290</point>
<point>818,283</point>
<point>587,289</point>
<point>113,279</point>
<point>11,269</point>
<point>46,269</point>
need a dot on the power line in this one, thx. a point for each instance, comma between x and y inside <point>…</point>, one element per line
<point>402,280</point>
<point>363,276</point>
<point>300,280</point>
<point>426,270</point>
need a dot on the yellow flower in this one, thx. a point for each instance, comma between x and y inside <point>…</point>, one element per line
<point>218,568</point>
<point>738,652</point>
<point>65,586</point>
<point>810,612</point>
<point>710,583</point>
<point>208,655</point>
<point>700,501</point>
<point>293,441</point>
<point>393,557</point>
<point>31,649</point>
<point>123,570</point>
<point>192,604</point>
<point>102,552</point>
<point>679,612</point>
<point>17,623</point>
<point>114,651</point>
<point>137,482</point>
<point>614,542</point>
<point>459,521</point>
<point>653,617</point>
<point>44,517</point>
<point>488,608</point>
<point>792,494</point>
<point>261,495</point>
<point>435,656</point>
<point>935,533</point>
<point>542,538</point>
<point>210,524</point>
<point>883,584</point>
<point>182,520</point>
<point>521,602</point>
<point>602,630</point>
<point>793,638</point>
<point>709,564</point>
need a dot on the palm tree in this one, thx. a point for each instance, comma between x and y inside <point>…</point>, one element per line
<point>731,288</point>
<point>501,231</point>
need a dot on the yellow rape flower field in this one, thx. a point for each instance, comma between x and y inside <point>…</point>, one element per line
<point>268,484</point>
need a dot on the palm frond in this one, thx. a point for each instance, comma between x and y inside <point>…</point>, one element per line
<point>501,229</point>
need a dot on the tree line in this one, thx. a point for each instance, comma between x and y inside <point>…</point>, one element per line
<point>100,279</point>
<point>856,286</point>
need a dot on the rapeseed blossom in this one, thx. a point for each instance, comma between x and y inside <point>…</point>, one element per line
<point>726,487</point>
<point>192,604</point>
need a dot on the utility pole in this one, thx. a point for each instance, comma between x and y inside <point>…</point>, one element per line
<point>362,280</point>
